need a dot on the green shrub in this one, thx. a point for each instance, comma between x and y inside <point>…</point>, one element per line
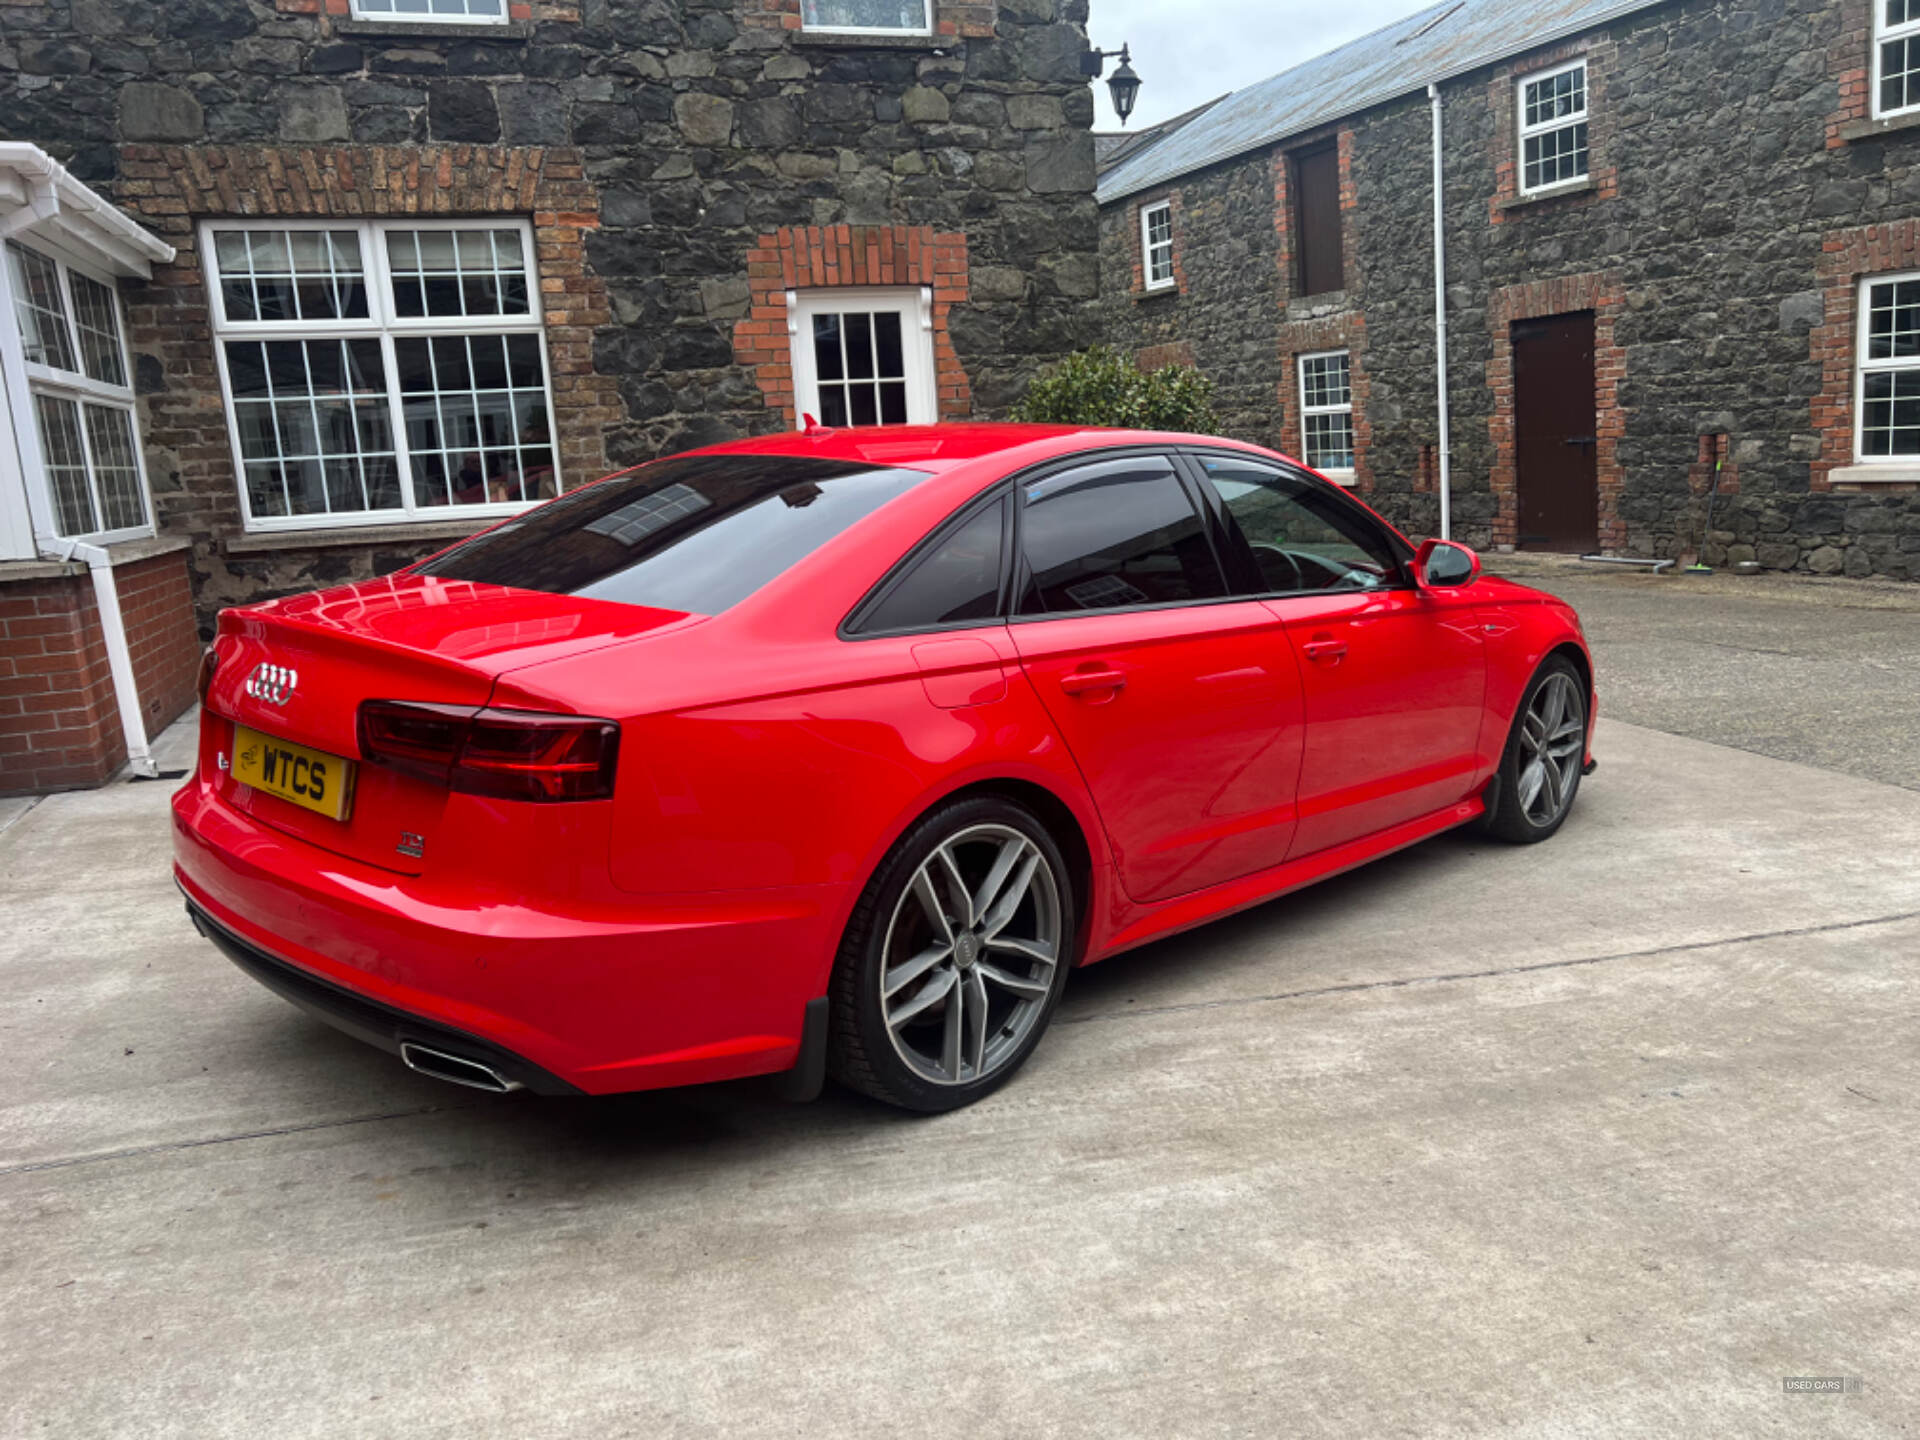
<point>1101,386</point>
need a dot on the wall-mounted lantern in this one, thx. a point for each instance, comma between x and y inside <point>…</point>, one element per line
<point>1123,84</point>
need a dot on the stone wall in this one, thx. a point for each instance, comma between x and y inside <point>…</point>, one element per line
<point>1739,194</point>
<point>685,133</point>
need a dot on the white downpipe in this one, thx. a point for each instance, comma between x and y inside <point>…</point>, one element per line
<point>1440,315</point>
<point>119,658</point>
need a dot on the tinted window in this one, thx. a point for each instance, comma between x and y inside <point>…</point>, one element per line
<point>1302,536</point>
<point>956,581</point>
<point>697,533</point>
<point>1114,534</point>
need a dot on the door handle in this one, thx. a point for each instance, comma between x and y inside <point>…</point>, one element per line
<point>1582,440</point>
<point>1326,649</point>
<point>1080,682</point>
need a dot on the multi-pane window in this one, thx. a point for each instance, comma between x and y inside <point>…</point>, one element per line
<point>1156,245</point>
<point>862,357</point>
<point>458,12</point>
<point>1553,128</point>
<point>1896,56</point>
<point>899,17</point>
<point>77,369</point>
<point>1326,412</point>
<point>378,371</point>
<point>1889,369</point>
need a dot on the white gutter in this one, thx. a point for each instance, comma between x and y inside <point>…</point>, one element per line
<point>119,657</point>
<point>134,246</point>
<point>1440,313</point>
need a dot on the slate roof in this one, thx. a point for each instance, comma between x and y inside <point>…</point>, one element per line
<point>1452,38</point>
<point>1110,147</point>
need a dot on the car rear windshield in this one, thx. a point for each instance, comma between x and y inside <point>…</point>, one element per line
<point>698,533</point>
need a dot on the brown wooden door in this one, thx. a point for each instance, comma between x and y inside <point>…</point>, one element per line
<point>1316,213</point>
<point>1553,408</point>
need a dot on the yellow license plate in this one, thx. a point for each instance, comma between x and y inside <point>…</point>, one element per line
<point>309,778</point>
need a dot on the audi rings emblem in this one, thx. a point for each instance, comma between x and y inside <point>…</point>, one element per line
<point>272,683</point>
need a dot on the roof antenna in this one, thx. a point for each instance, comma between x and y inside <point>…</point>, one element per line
<point>809,425</point>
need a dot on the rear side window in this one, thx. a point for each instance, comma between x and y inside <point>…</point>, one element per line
<point>698,533</point>
<point>1114,534</point>
<point>958,580</point>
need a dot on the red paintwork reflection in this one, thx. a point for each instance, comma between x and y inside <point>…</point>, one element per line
<point>1210,757</point>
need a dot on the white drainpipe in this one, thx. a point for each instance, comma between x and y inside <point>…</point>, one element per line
<point>1440,316</point>
<point>119,658</point>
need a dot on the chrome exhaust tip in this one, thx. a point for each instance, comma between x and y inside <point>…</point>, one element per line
<point>455,1069</point>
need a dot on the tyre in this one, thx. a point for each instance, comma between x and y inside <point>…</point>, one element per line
<point>954,959</point>
<point>1539,774</point>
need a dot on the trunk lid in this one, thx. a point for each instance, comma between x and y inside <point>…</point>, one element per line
<point>405,637</point>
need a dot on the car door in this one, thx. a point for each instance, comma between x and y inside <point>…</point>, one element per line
<point>1394,676</point>
<point>1179,703</point>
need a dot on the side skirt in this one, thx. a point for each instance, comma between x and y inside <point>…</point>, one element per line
<point>1189,911</point>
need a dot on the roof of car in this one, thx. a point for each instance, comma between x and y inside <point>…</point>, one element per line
<point>936,447</point>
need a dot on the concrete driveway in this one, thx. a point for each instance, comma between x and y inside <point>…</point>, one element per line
<point>1600,1138</point>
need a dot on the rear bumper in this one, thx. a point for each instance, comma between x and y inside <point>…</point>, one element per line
<point>593,995</point>
<point>368,1020</point>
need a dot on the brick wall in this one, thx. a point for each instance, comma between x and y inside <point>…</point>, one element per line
<point>156,606</point>
<point>59,718</point>
<point>817,257</point>
<point>58,729</point>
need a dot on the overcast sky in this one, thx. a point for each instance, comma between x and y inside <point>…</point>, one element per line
<point>1187,51</point>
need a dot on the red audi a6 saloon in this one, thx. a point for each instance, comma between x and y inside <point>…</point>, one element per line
<point>834,752</point>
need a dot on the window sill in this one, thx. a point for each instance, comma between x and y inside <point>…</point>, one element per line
<point>340,537</point>
<point>419,30</point>
<point>1873,129</point>
<point>1553,192</point>
<point>1156,292</point>
<point>842,40</point>
<point>1908,474</point>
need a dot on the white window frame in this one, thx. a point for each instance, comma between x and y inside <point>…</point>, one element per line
<point>914,306</point>
<point>1862,367</point>
<point>382,322</point>
<point>1525,132</point>
<point>926,28</point>
<point>1345,475</point>
<point>390,17</point>
<point>1148,246</point>
<point>83,390</point>
<point>1882,33</point>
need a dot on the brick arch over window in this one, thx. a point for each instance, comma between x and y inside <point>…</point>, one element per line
<point>811,257</point>
<point>1605,294</point>
<point>172,188</point>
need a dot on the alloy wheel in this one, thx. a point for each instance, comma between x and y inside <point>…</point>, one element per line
<point>1552,738</point>
<point>970,954</point>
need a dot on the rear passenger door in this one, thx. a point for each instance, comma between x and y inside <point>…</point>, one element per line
<point>1394,676</point>
<point>1180,704</point>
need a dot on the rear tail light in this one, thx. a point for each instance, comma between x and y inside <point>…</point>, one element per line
<point>507,754</point>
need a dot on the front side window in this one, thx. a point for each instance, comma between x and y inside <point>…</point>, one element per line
<point>456,12</point>
<point>1326,413</point>
<point>1889,369</point>
<point>693,533</point>
<point>1553,128</point>
<point>1156,245</point>
<point>1896,56</point>
<point>1302,536</point>
<point>897,17</point>
<point>1111,535</point>
<point>77,369</point>
<point>377,372</point>
<point>862,357</point>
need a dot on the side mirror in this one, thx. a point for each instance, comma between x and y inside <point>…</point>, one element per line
<point>1443,565</point>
